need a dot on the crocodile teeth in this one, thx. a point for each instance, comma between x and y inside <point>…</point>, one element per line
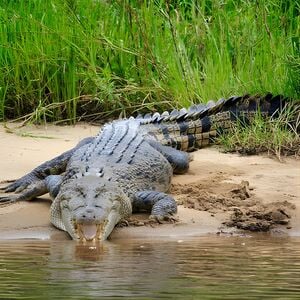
<point>89,232</point>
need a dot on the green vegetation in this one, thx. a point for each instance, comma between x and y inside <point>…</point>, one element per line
<point>71,60</point>
<point>276,136</point>
<point>68,60</point>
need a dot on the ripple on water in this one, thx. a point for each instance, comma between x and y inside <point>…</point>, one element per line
<point>203,268</point>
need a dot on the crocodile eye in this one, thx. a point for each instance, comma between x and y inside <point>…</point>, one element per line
<point>98,206</point>
<point>78,206</point>
<point>64,197</point>
<point>65,204</point>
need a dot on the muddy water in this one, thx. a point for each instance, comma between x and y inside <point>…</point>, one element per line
<point>203,268</point>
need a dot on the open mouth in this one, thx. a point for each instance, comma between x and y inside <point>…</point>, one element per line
<point>90,232</point>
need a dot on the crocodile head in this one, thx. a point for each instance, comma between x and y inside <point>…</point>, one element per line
<point>88,208</point>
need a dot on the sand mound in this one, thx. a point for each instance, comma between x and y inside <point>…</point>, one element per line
<point>246,210</point>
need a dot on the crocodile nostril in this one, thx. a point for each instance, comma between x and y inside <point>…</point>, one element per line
<point>88,215</point>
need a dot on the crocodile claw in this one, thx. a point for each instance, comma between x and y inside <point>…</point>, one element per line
<point>15,187</point>
<point>5,184</point>
<point>163,219</point>
<point>8,199</point>
<point>20,185</point>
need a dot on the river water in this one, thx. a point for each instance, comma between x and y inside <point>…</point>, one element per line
<point>253,267</point>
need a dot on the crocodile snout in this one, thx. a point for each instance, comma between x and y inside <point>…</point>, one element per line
<point>89,223</point>
<point>87,215</point>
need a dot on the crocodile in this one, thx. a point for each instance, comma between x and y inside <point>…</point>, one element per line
<point>129,165</point>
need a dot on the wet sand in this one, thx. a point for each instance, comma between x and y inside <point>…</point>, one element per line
<point>206,192</point>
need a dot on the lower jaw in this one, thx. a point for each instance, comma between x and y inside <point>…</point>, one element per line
<point>93,241</point>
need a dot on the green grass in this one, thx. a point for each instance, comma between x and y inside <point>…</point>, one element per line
<point>278,136</point>
<point>70,60</point>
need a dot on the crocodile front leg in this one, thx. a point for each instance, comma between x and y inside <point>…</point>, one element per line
<point>50,184</point>
<point>54,166</point>
<point>161,205</point>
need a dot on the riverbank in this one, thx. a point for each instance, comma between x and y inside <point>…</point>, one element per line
<point>239,190</point>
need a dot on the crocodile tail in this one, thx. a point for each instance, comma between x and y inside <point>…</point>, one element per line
<point>198,126</point>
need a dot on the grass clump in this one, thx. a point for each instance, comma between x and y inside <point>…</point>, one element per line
<point>275,136</point>
<point>75,59</point>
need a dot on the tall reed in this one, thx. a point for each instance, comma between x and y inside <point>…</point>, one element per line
<point>68,59</point>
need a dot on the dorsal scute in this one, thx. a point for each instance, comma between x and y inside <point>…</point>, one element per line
<point>234,104</point>
<point>173,114</point>
<point>200,110</point>
<point>148,116</point>
<point>210,104</point>
<point>162,117</point>
<point>182,114</point>
<point>155,116</point>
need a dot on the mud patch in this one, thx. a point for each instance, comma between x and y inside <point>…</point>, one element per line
<point>261,217</point>
<point>247,211</point>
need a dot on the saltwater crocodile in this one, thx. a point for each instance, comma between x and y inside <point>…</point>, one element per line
<point>128,166</point>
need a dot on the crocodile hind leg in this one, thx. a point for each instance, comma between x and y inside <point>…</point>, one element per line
<point>161,205</point>
<point>179,160</point>
<point>54,166</point>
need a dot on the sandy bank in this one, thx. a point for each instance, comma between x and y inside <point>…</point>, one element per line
<point>213,178</point>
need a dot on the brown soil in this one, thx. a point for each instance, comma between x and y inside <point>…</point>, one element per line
<point>247,211</point>
<point>219,191</point>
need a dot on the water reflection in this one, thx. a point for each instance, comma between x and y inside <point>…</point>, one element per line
<point>206,268</point>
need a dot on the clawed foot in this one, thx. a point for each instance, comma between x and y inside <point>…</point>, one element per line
<point>163,219</point>
<point>5,184</point>
<point>15,186</point>
<point>123,223</point>
<point>8,199</point>
<point>20,184</point>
